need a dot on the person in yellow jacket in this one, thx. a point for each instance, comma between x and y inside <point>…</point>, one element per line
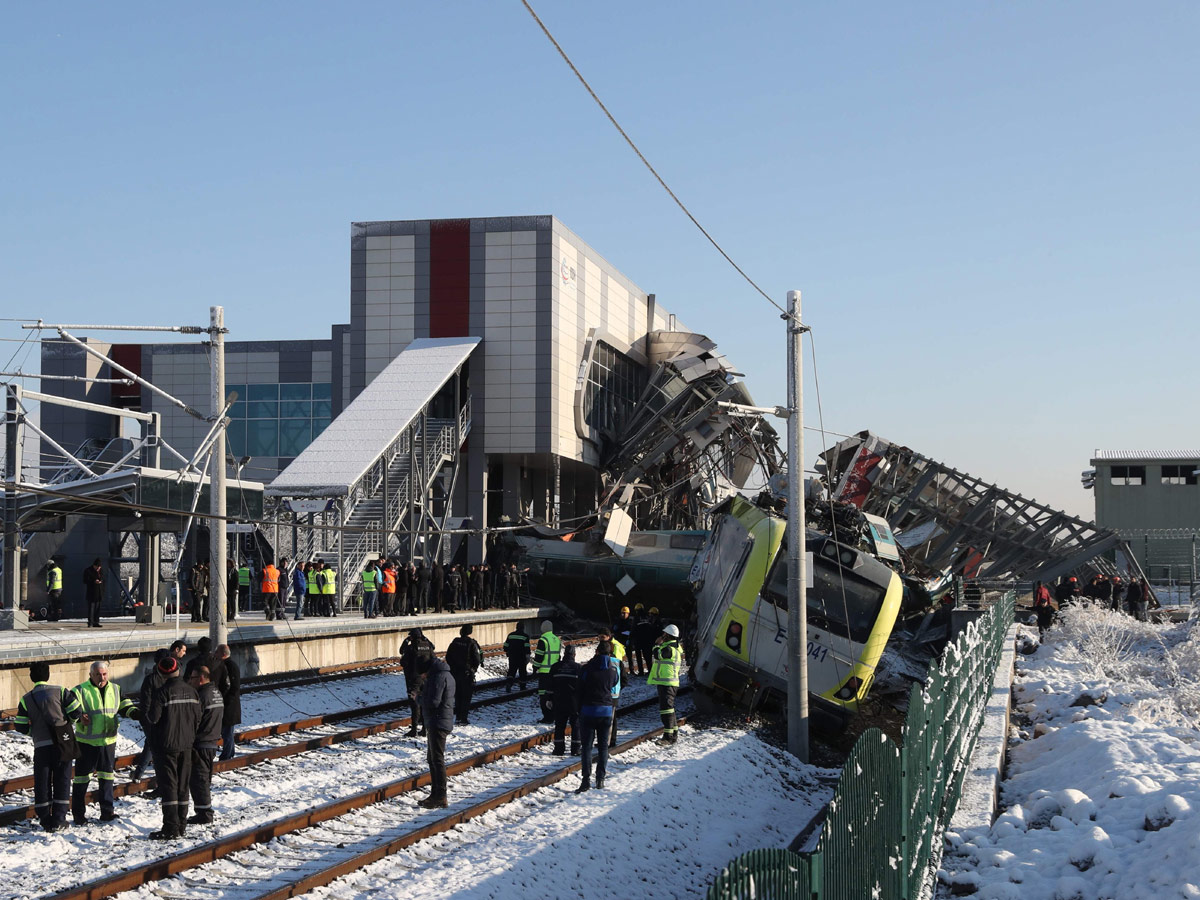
<point>96,732</point>
<point>546,652</point>
<point>54,590</point>
<point>664,673</point>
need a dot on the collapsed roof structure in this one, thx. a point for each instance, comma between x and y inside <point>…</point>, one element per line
<point>679,451</point>
<point>948,520</point>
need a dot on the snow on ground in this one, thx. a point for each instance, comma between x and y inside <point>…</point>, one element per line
<point>667,822</point>
<point>1102,792</point>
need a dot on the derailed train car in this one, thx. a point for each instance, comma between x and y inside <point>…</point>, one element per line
<point>740,584</point>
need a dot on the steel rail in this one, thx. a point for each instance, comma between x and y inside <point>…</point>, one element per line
<point>345,867</point>
<point>211,851</point>
<point>21,813</point>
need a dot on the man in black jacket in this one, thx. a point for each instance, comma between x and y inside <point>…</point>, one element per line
<point>151,682</point>
<point>464,657</point>
<point>421,581</point>
<point>516,648</point>
<point>93,584</point>
<point>174,713</point>
<point>41,710</point>
<point>204,749</point>
<point>437,707</point>
<point>564,679</point>
<point>415,655</point>
<point>228,679</point>
<point>437,584</point>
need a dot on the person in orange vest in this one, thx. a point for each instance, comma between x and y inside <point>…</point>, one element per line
<point>270,591</point>
<point>388,590</point>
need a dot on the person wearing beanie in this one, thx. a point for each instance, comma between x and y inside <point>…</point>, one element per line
<point>597,683</point>
<point>437,710</point>
<point>151,682</point>
<point>546,653</point>
<point>464,657</point>
<point>174,714</point>
<point>42,709</point>
<point>516,648</point>
<point>415,654</point>
<point>564,676</point>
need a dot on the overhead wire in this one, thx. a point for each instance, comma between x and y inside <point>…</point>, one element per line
<point>617,125</point>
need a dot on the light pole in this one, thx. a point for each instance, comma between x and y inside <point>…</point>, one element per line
<point>797,590</point>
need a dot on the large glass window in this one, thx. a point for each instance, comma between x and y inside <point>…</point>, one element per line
<point>615,382</point>
<point>278,419</point>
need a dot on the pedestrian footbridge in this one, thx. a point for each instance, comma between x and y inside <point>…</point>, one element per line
<point>379,479</point>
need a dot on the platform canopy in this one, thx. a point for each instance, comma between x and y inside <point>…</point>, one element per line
<point>332,464</point>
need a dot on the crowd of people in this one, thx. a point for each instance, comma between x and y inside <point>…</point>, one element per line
<point>1129,594</point>
<point>187,707</point>
<point>390,587</point>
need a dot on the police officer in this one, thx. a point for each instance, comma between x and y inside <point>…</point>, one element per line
<point>54,590</point>
<point>516,648</point>
<point>664,673</point>
<point>204,748</point>
<point>40,710</point>
<point>464,657</point>
<point>564,675</point>
<point>415,655</point>
<point>174,713</point>
<point>96,732</point>
<point>546,653</point>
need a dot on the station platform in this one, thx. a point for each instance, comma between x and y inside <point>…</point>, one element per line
<point>258,646</point>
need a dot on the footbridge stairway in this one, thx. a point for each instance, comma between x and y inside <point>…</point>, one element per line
<point>380,479</point>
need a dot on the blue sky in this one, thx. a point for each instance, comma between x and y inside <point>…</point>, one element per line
<point>992,209</point>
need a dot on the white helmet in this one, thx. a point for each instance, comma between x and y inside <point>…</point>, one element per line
<point>671,630</point>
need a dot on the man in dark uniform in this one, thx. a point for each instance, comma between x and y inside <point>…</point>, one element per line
<point>464,657</point>
<point>174,713</point>
<point>516,648</point>
<point>204,749</point>
<point>45,707</point>
<point>564,676</point>
<point>437,710</point>
<point>437,584</point>
<point>415,653</point>
<point>93,583</point>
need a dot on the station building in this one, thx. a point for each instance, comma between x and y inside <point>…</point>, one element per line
<point>1152,499</point>
<point>562,348</point>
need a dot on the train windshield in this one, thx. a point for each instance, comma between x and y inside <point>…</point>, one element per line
<point>841,601</point>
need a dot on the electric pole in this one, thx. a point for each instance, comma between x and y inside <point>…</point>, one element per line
<point>797,574</point>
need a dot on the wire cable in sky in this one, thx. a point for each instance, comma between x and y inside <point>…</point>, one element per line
<point>646,162</point>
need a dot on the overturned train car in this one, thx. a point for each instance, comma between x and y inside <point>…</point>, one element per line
<point>740,583</point>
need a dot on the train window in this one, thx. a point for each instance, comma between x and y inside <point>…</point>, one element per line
<point>643,540</point>
<point>838,594</point>
<point>687,541</point>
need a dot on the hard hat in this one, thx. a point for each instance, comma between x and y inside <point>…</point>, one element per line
<point>654,610</point>
<point>671,630</point>
<point>624,610</point>
<point>638,607</point>
<point>1072,578</point>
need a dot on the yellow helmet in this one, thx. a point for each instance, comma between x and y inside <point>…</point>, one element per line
<point>654,610</point>
<point>638,607</point>
<point>624,610</point>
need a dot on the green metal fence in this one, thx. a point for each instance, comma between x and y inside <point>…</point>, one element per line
<point>882,836</point>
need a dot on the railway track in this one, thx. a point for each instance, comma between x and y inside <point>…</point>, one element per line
<point>383,712</point>
<point>297,853</point>
<point>322,674</point>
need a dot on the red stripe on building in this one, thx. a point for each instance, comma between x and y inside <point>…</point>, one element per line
<point>449,278</point>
